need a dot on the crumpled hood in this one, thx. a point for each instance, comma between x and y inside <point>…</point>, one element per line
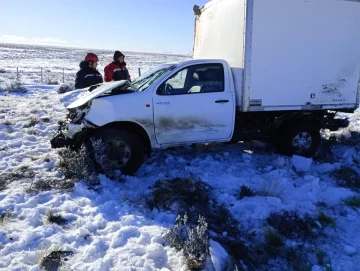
<point>102,89</point>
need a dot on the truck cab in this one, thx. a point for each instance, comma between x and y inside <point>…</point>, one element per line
<point>174,104</point>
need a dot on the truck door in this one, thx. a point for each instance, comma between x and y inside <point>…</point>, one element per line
<point>194,104</point>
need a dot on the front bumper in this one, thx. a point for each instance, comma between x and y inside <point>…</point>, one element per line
<point>70,135</point>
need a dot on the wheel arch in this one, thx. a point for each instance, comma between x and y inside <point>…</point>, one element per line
<point>132,127</point>
<point>296,118</point>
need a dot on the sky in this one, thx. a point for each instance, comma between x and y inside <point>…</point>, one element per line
<point>160,26</point>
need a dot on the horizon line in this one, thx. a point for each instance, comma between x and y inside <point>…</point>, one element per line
<point>82,48</point>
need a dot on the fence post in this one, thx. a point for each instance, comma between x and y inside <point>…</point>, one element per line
<point>17,73</point>
<point>139,72</point>
<point>63,75</point>
<point>42,76</point>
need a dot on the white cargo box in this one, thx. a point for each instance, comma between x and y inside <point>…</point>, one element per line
<point>285,54</point>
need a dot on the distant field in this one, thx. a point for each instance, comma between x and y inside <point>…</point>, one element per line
<point>54,60</point>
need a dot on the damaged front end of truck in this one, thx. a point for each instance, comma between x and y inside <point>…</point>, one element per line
<point>75,130</point>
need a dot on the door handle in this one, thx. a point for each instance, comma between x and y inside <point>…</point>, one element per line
<point>221,101</point>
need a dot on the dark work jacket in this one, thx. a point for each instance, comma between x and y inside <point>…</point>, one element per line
<point>87,76</point>
<point>116,72</point>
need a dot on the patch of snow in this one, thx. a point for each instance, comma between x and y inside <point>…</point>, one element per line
<point>301,164</point>
<point>317,268</point>
<point>349,250</point>
<point>218,255</point>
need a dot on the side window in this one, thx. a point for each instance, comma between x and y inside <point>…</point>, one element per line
<point>203,78</point>
<point>178,79</point>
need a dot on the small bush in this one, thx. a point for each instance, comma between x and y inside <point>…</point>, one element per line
<point>50,184</point>
<point>348,177</point>
<point>291,225</point>
<point>33,121</point>
<point>51,218</point>
<point>194,197</point>
<point>298,260</point>
<point>246,192</point>
<point>101,156</point>
<point>272,188</point>
<point>65,88</point>
<point>51,258</point>
<point>182,193</point>
<point>323,259</point>
<point>353,201</point>
<point>5,216</point>
<point>320,256</point>
<point>2,70</point>
<point>47,158</point>
<point>78,165</point>
<point>50,81</point>
<point>13,87</point>
<point>192,240</point>
<point>325,220</point>
<point>273,239</point>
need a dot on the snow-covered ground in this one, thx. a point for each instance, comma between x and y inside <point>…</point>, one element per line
<point>113,228</point>
<point>54,61</point>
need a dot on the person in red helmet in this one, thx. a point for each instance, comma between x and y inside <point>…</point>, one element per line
<point>88,74</point>
<point>117,70</point>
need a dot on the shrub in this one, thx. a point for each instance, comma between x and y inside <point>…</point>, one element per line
<point>51,258</point>
<point>101,157</point>
<point>273,239</point>
<point>78,165</point>
<point>348,177</point>
<point>12,87</point>
<point>192,240</point>
<point>291,225</point>
<point>185,193</point>
<point>246,192</point>
<point>51,218</point>
<point>325,220</point>
<point>50,81</point>
<point>33,121</point>
<point>353,201</point>
<point>272,188</point>
<point>65,88</point>
<point>5,216</point>
<point>46,184</point>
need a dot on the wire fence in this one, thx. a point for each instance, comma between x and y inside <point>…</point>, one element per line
<point>45,74</point>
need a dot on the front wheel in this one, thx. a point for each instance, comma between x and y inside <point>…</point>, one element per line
<point>125,151</point>
<point>303,140</point>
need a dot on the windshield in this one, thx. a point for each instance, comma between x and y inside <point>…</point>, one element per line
<point>144,81</point>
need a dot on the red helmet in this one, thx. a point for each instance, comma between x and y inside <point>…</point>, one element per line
<point>91,57</point>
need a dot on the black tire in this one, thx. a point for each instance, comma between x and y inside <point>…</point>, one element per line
<point>131,140</point>
<point>301,139</point>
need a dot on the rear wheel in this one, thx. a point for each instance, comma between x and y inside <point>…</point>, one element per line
<point>302,140</point>
<point>125,150</point>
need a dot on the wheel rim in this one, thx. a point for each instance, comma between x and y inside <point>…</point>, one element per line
<point>119,153</point>
<point>302,141</point>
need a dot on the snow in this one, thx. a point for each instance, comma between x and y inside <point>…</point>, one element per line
<point>301,164</point>
<point>218,255</point>
<point>112,229</point>
<point>349,250</point>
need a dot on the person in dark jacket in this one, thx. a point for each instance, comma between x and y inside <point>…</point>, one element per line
<point>88,74</point>
<point>117,70</point>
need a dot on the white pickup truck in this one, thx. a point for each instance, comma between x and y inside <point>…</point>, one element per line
<point>274,70</point>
